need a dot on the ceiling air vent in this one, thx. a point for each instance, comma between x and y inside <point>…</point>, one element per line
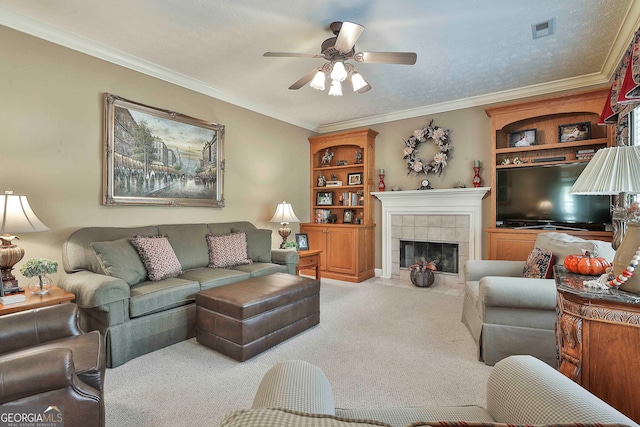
<point>542,29</point>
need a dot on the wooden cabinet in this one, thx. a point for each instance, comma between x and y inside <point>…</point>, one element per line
<point>598,338</point>
<point>516,244</point>
<point>347,250</point>
<point>342,215</point>
<point>545,116</point>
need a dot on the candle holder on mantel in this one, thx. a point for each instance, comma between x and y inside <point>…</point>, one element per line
<point>476,177</point>
<point>381,185</point>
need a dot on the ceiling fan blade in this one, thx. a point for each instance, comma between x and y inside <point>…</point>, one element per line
<point>364,89</point>
<point>304,80</point>
<point>348,36</point>
<point>292,55</point>
<point>403,58</point>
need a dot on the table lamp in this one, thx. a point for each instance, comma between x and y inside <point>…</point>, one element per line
<point>612,171</point>
<point>16,216</point>
<point>284,215</point>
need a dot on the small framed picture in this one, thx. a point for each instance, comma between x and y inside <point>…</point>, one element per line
<point>354,178</point>
<point>574,132</point>
<point>8,287</point>
<point>303,241</point>
<point>324,198</point>
<point>523,138</point>
<point>347,217</point>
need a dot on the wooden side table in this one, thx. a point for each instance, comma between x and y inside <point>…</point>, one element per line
<point>308,260</point>
<point>598,339</point>
<point>53,297</point>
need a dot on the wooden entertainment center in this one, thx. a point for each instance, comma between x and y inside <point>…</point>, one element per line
<point>545,116</point>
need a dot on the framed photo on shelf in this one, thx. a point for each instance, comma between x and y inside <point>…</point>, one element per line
<point>523,138</point>
<point>324,198</point>
<point>354,178</point>
<point>347,217</point>
<point>574,132</point>
<point>303,241</point>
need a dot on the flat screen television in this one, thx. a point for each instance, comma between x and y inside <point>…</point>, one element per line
<point>538,196</point>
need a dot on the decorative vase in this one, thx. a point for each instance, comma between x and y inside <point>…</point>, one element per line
<point>476,177</point>
<point>40,285</point>
<point>625,253</point>
<point>422,278</point>
<point>381,183</point>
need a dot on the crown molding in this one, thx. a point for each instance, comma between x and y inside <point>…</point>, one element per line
<point>582,82</point>
<point>75,42</point>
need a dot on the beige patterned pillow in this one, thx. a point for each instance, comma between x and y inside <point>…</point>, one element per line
<point>275,417</point>
<point>228,250</point>
<point>158,256</point>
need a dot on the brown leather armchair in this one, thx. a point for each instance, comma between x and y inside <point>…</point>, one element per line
<point>47,360</point>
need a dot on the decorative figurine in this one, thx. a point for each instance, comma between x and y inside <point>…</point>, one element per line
<point>358,157</point>
<point>322,181</point>
<point>326,159</point>
<point>506,161</point>
<point>517,161</point>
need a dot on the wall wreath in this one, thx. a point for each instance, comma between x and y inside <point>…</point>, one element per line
<point>440,136</point>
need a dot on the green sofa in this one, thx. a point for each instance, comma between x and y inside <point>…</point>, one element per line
<point>137,315</point>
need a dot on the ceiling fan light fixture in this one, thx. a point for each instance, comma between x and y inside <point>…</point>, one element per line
<point>358,82</point>
<point>335,89</point>
<point>339,72</point>
<point>318,81</point>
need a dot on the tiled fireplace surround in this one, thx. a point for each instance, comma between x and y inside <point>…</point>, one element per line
<point>450,216</point>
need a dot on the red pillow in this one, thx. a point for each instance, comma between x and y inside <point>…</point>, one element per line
<point>539,264</point>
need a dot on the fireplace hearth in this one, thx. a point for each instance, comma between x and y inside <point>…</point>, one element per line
<point>441,216</point>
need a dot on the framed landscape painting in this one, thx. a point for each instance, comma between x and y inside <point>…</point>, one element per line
<point>160,157</point>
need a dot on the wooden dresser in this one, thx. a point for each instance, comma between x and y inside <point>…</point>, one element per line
<point>598,337</point>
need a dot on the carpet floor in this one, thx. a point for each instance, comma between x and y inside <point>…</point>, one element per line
<point>379,346</point>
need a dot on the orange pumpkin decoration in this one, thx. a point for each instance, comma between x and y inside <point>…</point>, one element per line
<point>586,264</point>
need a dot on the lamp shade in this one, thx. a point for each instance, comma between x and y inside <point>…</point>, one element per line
<point>16,216</point>
<point>611,171</point>
<point>284,214</point>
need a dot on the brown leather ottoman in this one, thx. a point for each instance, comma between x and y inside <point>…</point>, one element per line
<point>245,318</point>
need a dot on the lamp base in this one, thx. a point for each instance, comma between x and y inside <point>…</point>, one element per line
<point>10,255</point>
<point>284,232</point>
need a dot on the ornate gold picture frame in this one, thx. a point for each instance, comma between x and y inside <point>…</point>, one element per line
<point>160,157</point>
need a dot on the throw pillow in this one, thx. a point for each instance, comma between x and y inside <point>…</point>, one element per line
<point>119,258</point>
<point>258,244</point>
<point>158,256</point>
<point>539,264</point>
<point>228,250</point>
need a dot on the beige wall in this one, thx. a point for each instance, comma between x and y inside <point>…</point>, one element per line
<point>51,145</point>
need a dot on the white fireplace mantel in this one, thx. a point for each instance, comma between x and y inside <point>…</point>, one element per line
<point>454,201</point>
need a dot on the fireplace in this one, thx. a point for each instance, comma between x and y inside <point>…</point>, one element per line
<point>451,216</point>
<point>443,254</point>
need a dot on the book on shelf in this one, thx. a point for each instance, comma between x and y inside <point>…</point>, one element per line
<point>12,299</point>
<point>334,183</point>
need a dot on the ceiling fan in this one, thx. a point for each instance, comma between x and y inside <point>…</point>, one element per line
<point>336,50</point>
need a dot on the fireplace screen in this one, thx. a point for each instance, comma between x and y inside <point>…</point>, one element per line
<point>445,255</point>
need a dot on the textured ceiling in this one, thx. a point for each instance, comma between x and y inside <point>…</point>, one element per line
<point>470,52</point>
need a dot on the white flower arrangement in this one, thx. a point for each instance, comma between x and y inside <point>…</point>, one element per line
<point>440,136</point>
